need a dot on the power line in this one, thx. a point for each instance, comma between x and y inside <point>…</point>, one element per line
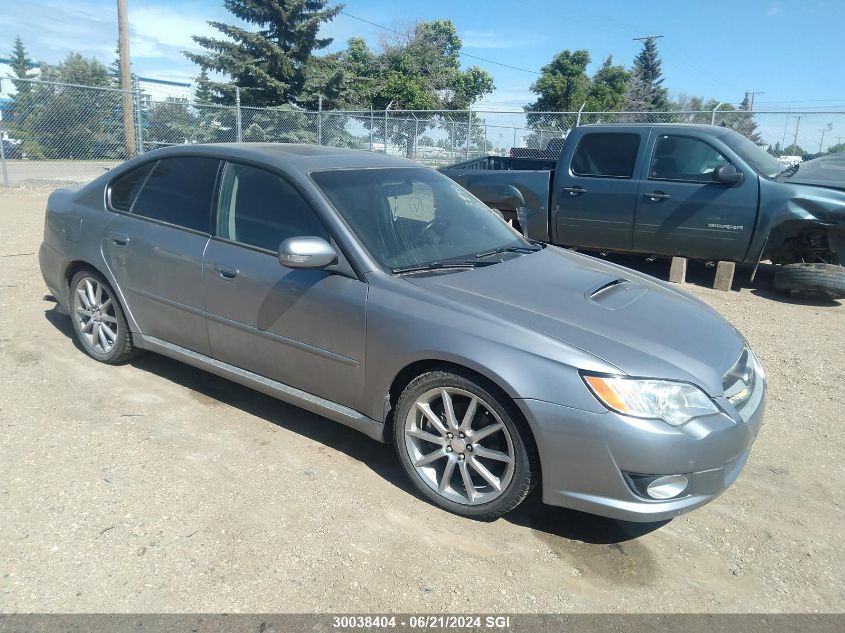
<point>483,59</point>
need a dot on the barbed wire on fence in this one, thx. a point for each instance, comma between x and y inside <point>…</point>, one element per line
<point>46,125</point>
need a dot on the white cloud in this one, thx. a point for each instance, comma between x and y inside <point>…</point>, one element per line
<point>489,40</point>
<point>159,31</point>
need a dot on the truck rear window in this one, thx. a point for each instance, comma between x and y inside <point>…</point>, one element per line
<point>606,155</point>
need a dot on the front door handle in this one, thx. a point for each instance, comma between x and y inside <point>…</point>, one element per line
<point>119,238</point>
<point>656,196</point>
<point>574,191</point>
<point>226,272</point>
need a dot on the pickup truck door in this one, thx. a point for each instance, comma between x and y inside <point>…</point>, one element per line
<point>682,210</point>
<point>595,190</point>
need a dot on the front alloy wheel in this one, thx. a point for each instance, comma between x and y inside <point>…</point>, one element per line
<point>462,448</point>
<point>447,452</point>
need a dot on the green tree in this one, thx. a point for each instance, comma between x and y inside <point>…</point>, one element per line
<point>169,122</point>
<point>744,123</point>
<point>21,65</point>
<point>606,91</point>
<point>269,64</point>
<point>793,150</point>
<point>839,148</point>
<point>645,90</point>
<point>73,122</point>
<point>775,150</point>
<point>418,70</point>
<point>563,86</point>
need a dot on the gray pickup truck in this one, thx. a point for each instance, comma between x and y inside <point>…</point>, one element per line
<point>698,191</point>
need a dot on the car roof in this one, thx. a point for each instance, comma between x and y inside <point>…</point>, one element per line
<point>291,157</point>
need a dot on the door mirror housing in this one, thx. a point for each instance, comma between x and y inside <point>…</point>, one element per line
<point>306,252</point>
<point>727,174</point>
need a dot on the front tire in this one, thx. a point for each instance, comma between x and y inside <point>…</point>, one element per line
<point>464,444</point>
<point>98,320</point>
<point>826,280</point>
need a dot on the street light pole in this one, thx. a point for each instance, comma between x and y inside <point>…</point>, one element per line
<point>126,78</point>
<point>829,126</point>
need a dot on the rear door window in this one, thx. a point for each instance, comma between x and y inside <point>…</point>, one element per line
<point>606,155</point>
<point>179,191</point>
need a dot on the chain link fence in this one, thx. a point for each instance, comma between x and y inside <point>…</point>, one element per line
<point>58,132</point>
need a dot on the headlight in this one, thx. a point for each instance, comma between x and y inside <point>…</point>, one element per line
<point>673,402</point>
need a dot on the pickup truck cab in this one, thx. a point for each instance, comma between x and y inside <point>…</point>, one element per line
<point>698,191</point>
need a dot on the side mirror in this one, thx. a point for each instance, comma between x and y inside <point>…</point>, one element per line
<point>727,175</point>
<point>306,252</point>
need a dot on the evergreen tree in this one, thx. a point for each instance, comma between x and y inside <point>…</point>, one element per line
<point>268,64</point>
<point>744,123</point>
<point>202,92</point>
<point>73,122</point>
<point>21,65</point>
<point>646,91</point>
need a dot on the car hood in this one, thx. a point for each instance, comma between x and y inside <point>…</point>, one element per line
<point>825,171</point>
<point>632,321</point>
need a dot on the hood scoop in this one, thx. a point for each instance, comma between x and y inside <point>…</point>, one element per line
<point>615,294</point>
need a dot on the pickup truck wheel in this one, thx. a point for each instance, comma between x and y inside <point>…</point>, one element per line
<point>814,280</point>
<point>464,445</point>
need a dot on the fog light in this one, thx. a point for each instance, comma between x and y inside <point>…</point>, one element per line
<point>667,487</point>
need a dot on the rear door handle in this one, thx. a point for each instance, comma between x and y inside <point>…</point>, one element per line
<point>226,272</point>
<point>655,196</point>
<point>574,191</point>
<point>119,238</point>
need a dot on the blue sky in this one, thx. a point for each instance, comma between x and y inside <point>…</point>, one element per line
<point>793,51</point>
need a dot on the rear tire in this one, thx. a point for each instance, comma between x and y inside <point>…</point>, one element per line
<point>98,320</point>
<point>812,280</point>
<point>440,422</point>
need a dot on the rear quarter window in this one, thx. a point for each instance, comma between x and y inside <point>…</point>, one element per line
<point>124,189</point>
<point>606,155</point>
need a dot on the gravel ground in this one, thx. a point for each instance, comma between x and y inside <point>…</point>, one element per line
<point>154,487</point>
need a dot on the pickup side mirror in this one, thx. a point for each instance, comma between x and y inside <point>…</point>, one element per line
<point>727,175</point>
<point>306,252</point>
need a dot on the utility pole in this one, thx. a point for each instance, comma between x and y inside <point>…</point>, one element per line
<point>795,138</point>
<point>126,78</point>
<point>647,37</point>
<point>753,94</point>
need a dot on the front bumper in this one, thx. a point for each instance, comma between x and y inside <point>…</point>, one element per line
<point>585,456</point>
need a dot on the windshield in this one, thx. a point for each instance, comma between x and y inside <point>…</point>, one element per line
<point>408,217</point>
<point>760,160</point>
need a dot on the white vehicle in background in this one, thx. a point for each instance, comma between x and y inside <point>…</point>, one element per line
<point>786,162</point>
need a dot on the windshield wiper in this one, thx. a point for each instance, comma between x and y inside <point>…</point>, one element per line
<point>440,265</point>
<point>508,249</point>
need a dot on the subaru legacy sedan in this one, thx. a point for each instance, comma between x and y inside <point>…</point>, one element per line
<point>378,293</point>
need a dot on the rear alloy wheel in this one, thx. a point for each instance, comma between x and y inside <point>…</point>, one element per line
<point>98,320</point>
<point>813,280</point>
<point>462,448</point>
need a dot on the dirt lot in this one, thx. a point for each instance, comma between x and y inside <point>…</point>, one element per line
<point>156,487</point>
